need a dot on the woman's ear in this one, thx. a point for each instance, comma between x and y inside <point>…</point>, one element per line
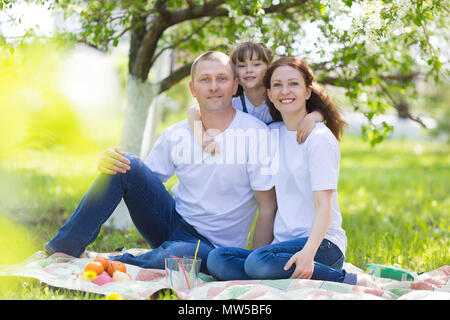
<point>308,92</point>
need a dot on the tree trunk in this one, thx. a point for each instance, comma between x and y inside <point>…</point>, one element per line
<point>141,124</point>
<point>139,98</point>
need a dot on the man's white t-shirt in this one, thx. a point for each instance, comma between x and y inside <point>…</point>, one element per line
<point>214,193</point>
<point>261,112</point>
<point>304,168</point>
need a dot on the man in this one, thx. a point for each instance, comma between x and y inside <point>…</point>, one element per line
<point>214,201</point>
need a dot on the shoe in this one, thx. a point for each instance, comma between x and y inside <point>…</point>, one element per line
<point>365,280</point>
<point>49,250</point>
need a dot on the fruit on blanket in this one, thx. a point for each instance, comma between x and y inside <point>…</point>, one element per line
<point>102,279</point>
<point>116,266</point>
<point>103,261</point>
<point>121,276</point>
<point>89,275</point>
<point>94,266</point>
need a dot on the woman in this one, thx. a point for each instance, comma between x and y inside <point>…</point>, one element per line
<point>308,240</point>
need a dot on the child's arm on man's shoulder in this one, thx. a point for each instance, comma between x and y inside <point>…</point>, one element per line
<point>195,122</point>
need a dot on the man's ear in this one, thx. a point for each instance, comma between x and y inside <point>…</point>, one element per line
<point>191,87</point>
<point>235,85</point>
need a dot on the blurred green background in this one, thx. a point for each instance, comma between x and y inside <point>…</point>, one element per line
<point>394,197</point>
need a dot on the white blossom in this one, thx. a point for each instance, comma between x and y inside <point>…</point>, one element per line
<point>402,7</point>
<point>337,7</point>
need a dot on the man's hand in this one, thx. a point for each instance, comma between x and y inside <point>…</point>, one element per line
<point>113,160</point>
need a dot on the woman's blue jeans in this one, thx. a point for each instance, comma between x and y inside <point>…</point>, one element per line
<point>152,210</point>
<point>268,262</point>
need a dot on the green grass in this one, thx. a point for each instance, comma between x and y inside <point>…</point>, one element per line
<point>395,205</point>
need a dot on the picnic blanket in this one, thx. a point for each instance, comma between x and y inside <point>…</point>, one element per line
<point>63,271</point>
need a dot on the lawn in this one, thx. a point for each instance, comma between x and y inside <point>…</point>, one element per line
<point>394,199</point>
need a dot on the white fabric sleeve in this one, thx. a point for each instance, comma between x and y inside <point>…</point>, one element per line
<point>159,160</point>
<point>323,161</point>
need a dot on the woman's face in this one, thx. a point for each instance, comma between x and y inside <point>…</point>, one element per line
<point>288,91</point>
<point>251,72</point>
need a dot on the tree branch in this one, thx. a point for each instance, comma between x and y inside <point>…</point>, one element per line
<point>160,6</point>
<point>191,3</point>
<point>180,74</point>
<point>387,78</point>
<point>165,19</point>
<point>133,24</point>
<point>211,9</point>
<point>174,45</point>
<point>208,9</point>
<point>402,108</point>
<point>175,77</point>
<point>147,47</point>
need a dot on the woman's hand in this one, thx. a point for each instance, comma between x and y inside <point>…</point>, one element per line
<point>304,265</point>
<point>113,160</point>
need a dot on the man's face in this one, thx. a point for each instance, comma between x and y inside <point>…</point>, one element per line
<point>213,85</point>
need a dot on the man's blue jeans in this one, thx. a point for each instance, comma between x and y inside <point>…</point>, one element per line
<point>268,262</point>
<point>152,210</point>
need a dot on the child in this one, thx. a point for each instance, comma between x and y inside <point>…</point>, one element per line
<point>251,60</point>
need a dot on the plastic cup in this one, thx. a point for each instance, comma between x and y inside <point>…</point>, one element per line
<point>182,276</point>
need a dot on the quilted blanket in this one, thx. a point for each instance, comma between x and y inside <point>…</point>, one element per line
<point>59,270</point>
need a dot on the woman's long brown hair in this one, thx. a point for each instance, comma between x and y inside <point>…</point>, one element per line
<point>319,99</point>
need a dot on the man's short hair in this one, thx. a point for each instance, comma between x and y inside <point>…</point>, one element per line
<point>213,56</point>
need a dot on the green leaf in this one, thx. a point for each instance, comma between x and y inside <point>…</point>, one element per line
<point>348,3</point>
<point>417,20</point>
<point>322,9</point>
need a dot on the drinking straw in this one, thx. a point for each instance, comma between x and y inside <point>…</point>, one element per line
<point>171,252</point>
<point>184,271</point>
<point>193,263</point>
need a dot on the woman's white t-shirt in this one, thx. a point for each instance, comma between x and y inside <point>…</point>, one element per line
<point>303,169</point>
<point>261,112</point>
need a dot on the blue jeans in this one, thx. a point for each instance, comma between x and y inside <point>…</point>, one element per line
<point>268,262</point>
<point>152,210</point>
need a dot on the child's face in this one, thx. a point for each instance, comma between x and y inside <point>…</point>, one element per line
<point>251,72</point>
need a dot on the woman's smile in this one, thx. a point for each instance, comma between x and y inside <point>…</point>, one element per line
<point>287,100</point>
